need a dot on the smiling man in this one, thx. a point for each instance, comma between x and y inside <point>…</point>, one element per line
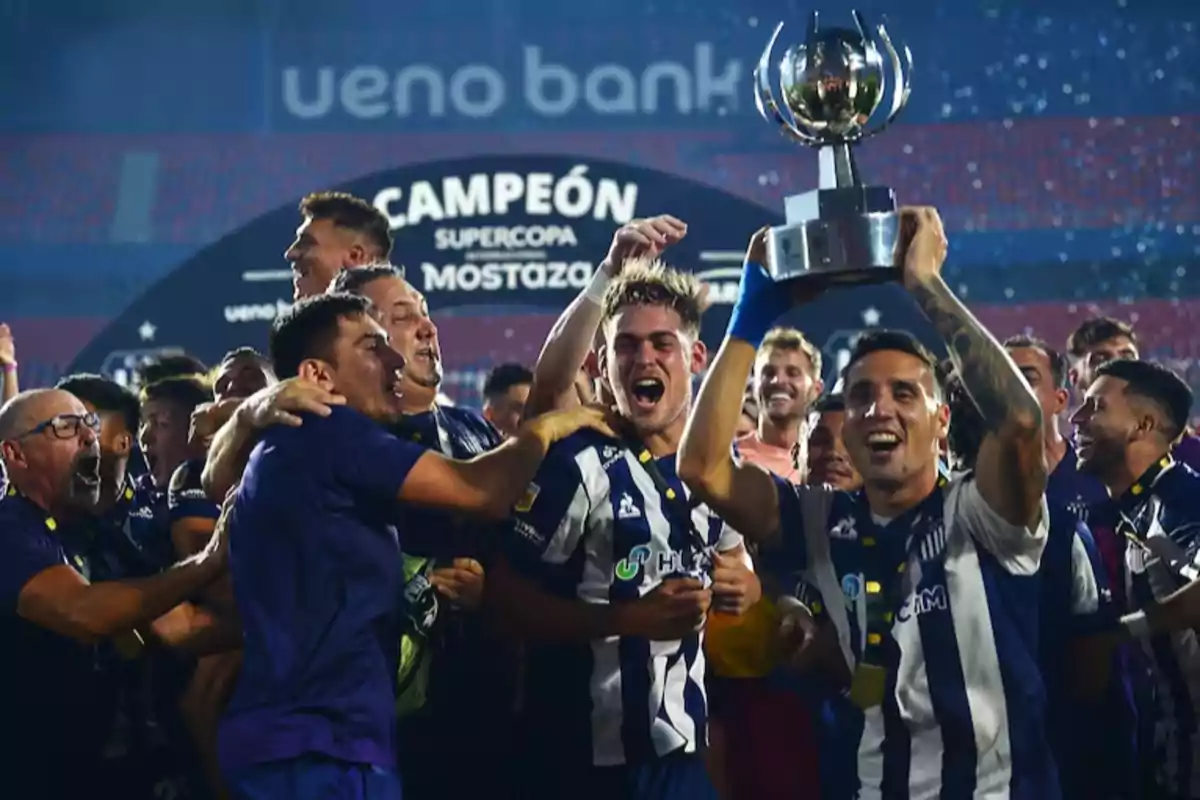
<point>1131,415</point>
<point>339,231</point>
<point>927,581</point>
<point>787,379</point>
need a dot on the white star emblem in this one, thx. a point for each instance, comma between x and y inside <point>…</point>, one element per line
<point>147,330</point>
<point>871,316</point>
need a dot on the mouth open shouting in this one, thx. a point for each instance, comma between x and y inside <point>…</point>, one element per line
<point>85,478</point>
<point>645,394</point>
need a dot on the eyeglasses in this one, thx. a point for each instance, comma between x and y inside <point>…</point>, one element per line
<point>65,426</point>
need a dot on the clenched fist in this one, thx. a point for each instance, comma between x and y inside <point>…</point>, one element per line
<point>642,238</point>
<point>922,245</point>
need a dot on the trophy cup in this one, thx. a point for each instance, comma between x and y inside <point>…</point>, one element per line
<point>842,232</point>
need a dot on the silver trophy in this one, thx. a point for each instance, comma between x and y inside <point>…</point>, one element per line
<point>843,231</point>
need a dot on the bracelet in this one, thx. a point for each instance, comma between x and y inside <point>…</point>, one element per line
<point>8,368</point>
<point>598,285</point>
<point>1136,625</point>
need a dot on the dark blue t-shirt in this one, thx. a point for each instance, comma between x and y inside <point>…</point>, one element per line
<point>315,561</point>
<point>57,703</point>
<point>186,497</point>
<point>146,514</point>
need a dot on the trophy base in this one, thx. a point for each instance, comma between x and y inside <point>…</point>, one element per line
<point>838,236</point>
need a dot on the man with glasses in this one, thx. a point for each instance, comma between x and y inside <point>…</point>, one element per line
<point>55,626</point>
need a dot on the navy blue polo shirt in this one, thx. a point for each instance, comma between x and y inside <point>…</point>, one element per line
<point>57,702</point>
<point>316,566</point>
<point>186,497</point>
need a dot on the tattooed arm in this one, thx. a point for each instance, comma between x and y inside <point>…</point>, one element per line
<point>1010,470</point>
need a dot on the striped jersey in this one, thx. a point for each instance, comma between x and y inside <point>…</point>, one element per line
<point>594,527</point>
<point>942,600</point>
<point>1160,520</point>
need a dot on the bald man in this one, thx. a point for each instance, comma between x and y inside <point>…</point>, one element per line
<point>57,629</point>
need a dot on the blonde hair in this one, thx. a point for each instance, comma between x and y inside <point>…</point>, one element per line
<point>790,339</point>
<point>652,283</point>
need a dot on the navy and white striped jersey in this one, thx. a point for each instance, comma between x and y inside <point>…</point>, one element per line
<point>594,527</point>
<point>1160,518</point>
<point>961,713</point>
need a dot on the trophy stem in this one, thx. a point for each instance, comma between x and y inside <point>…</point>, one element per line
<point>836,167</point>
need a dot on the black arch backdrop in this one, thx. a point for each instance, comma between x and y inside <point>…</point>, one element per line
<point>491,235</point>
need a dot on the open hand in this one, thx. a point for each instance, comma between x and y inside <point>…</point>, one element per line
<point>280,404</point>
<point>554,426</point>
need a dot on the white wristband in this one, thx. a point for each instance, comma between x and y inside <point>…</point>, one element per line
<point>1136,625</point>
<point>598,285</point>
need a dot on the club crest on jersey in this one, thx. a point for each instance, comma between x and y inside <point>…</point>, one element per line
<point>852,586</point>
<point>844,529</point>
<point>526,502</point>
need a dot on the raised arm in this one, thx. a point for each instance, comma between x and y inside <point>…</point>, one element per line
<point>8,365</point>
<point>744,495</point>
<point>1011,467</point>
<point>490,484</point>
<point>571,338</point>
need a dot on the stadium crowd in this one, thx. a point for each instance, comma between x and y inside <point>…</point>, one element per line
<point>304,574</point>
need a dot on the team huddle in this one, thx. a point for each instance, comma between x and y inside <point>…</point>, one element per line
<point>913,583</point>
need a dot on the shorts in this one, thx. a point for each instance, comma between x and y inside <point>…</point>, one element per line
<point>312,777</point>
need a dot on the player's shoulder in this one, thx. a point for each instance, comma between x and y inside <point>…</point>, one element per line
<point>16,511</point>
<point>470,423</point>
<point>587,442</point>
<point>187,475</point>
<point>1178,490</point>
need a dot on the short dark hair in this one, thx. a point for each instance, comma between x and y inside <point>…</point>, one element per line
<point>967,428</point>
<point>1156,383</point>
<point>170,366</point>
<point>105,395</point>
<point>1058,362</point>
<point>831,401</point>
<point>347,211</point>
<point>352,281</point>
<point>1096,330</point>
<point>504,377</point>
<point>877,340</point>
<point>185,391</point>
<point>309,328</point>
